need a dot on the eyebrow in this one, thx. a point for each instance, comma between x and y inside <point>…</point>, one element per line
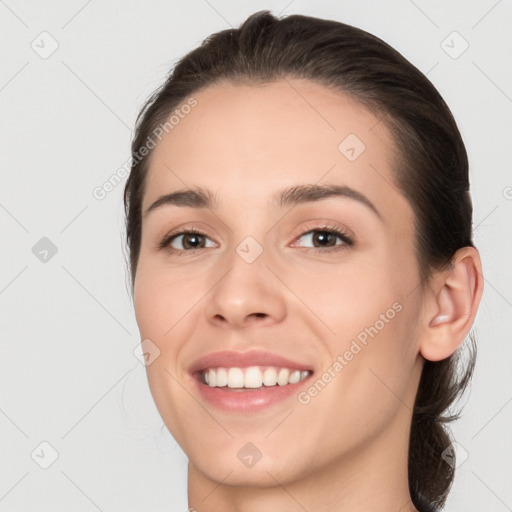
<point>199,197</point>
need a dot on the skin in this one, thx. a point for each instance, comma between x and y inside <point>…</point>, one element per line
<point>347,448</point>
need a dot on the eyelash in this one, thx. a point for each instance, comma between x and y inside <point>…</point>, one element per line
<point>164,244</point>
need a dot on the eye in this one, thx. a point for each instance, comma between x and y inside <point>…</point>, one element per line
<point>190,240</point>
<point>325,239</point>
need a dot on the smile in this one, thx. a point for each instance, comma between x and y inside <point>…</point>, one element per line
<point>247,382</point>
<point>254,377</point>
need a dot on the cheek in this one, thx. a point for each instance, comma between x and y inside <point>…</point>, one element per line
<point>160,300</point>
<point>148,300</point>
<point>340,301</point>
<point>160,310</point>
<point>376,382</point>
<point>367,317</point>
<point>366,382</point>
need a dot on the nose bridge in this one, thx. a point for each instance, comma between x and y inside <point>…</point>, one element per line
<point>247,290</point>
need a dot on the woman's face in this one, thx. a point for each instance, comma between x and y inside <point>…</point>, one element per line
<point>262,285</point>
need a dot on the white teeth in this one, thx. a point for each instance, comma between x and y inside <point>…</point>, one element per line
<point>270,377</point>
<point>222,377</point>
<point>294,377</point>
<point>252,377</point>
<point>235,378</point>
<point>212,380</point>
<point>282,378</point>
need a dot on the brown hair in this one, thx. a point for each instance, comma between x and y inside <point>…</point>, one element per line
<point>431,170</point>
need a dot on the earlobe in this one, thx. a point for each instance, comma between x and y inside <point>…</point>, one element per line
<point>452,306</point>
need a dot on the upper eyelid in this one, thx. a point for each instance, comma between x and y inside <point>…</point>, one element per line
<point>321,225</point>
<point>300,233</point>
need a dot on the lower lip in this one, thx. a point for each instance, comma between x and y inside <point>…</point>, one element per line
<point>247,400</point>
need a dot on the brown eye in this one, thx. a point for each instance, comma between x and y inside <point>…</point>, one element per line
<point>324,238</point>
<point>327,238</point>
<point>184,241</point>
<point>189,241</point>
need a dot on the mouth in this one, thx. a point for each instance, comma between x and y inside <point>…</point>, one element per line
<point>253,377</point>
<point>247,382</point>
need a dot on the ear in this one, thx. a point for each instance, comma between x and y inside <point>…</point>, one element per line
<point>451,305</point>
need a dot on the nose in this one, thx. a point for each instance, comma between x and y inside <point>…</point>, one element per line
<point>246,294</point>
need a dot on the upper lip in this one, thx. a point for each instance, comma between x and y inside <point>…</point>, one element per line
<point>231,359</point>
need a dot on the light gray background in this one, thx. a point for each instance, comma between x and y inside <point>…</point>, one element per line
<point>68,375</point>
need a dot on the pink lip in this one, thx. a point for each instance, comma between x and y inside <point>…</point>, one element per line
<point>247,400</point>
<point>229,359</point>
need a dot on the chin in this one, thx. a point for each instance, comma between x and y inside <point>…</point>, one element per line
<point>263,474</point>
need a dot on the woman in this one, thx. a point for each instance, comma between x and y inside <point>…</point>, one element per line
<point>299,227</point>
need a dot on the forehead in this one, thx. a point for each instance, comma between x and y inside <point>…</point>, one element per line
<point>245,141</point>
